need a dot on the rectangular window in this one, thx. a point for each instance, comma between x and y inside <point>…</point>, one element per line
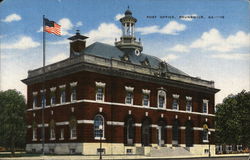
<point>145,101</point>
<point>205,106</point>
<point>161,101</point>
<point>61,134</point>
<point>129,98</point>
<point>189,105</point>
<point>175,104</point>
<point>73,94</point>
<point>63,96</point>
<point>34,101</point>
<point>52,134</point>
<point>43,100</point>
<point>205,136</point>
<point>100,94</point>
<point>34,134</point>
<point>73,133</point>
<point>53,99</point>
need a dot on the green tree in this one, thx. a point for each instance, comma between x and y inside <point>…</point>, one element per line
<point>233,120</point>
<point>12,120</point>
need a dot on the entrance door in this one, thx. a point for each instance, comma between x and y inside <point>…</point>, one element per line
<point>145,133</point>
<point>159,136</point>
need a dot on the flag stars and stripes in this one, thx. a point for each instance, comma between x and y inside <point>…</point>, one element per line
<point>52,27</point>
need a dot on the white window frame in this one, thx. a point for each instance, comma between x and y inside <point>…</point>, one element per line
<point>73,132</point>
<point>175,97</point>
<point>205,101</point>
<point>97,129</point>
<point>53,90</point>
<point>51,100</point>
<point>73,87</point>
<point>61,134</point>
<point>61,96</point>
<point>189,99</point>
<point>62,89</point>
<point>72,96</point>
<point>52,133</point>
<point>205,138</point>
<point>131,98</point>
<point>34,134</point>
<point>34,103</point>
<point>43,95</point>
<point>102,86</point>
<point>162,93</point>
<point>129,90</point>
<point>145,92</point>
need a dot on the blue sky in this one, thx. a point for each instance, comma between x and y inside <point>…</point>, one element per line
<point>211,48</point>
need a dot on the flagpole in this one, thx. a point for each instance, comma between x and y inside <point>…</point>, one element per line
<point>43,104</point>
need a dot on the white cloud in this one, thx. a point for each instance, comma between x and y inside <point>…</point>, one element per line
<point>78,24</point>
<point>148,30</point>
<point>12,17</point>
<point>119,16</point>
<point>232,56</point>
<point>106,33</point>
<point>66,26</point>
<point>40,30</point>
<point>188,17</point>
<point>213,40</point>
<point>170,57</point>
<point>58,57</point>
<point>24,42</point>
<point>65,41</point>
<point>172,28</point>
<point>180,48</point>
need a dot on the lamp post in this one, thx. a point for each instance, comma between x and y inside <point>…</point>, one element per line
<point>100,130</point>
<point>209,153</point>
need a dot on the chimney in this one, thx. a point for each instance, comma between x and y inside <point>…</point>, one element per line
<point>77,44</point>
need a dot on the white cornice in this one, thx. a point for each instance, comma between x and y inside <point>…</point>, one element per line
<point>100,84</point>
<point>146,91</point>
<point>176,96</point>
<point>129,88</point>
<point>73,84</point>
<point>53,89</point>
<point>188,98</point>
<point>62,86</point>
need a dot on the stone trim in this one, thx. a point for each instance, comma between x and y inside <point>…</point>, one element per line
<point>122,104</point>
<point>100,84</point>
<point>176,96</point>
<point>62,86</point>
<point>73,84</point>
<point>53,89</point>
<point>116,123</point>
<point>146,91</point>
<point>129,88</point>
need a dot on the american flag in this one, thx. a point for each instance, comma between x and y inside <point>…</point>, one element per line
<point>52,27</point>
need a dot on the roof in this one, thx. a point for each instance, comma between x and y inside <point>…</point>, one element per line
<point>109,51</point>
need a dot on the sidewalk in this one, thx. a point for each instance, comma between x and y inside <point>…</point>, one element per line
<point>129,157</point>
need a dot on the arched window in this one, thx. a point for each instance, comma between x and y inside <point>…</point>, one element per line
<point>161,99</point>
<point>99,127</point>
<point>129,131</point>
<point>175,133</point>
<point>189,134</point>
<point>145,132</point>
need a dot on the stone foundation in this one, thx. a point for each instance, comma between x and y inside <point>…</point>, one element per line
<point>116,149</point>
